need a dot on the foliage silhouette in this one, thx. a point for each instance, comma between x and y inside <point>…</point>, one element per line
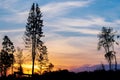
<point>44,64</point>
<point>8,45</point>
<point>107,40</point>
<point>6,55</point>
<point>50,67</point>
<point>19,60</point>
<point>33,36</point>
<point>6,60</point>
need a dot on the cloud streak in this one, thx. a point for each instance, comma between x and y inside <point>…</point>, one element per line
<point>61,8</point>
<point>20,17</point>
<point>12,31</point>
<point>50,10</point>
<point>81,25</point>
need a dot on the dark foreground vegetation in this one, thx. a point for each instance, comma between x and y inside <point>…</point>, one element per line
<point>66,75</point>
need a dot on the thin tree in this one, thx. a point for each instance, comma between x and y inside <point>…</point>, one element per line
<point>102,66</point>
<point>107,40</point>
<point>50,67</point>
<point>19,56</point>
<point>6,55</point>
<point>42,57</point>
<point>33,31</point>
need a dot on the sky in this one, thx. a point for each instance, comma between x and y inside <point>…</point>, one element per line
<point>70,28</point>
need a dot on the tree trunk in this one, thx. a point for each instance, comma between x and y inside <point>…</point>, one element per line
<point>1,71</point>
<point>115,63</point>
<point>12,68</point>
<point>5,71</point>
<point>33,51</point>
<point>110,64</point>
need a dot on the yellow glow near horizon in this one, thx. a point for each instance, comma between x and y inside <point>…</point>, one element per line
<point>27,68</point>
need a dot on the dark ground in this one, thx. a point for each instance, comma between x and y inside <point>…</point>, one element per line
<point>66,75</point>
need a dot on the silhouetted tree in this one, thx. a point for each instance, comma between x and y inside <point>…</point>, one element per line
<point>9,48</point>
<point>33,31</point>
<point>102,67</point>
<point>19,57</point>
<point>50,67</point>
<point>8,45</point>
<point>6,54</point>
<point>20,70</point>
<point>42,57</point>
<point>43,61</point>
<point>115,62</point>
<point>107,40</point>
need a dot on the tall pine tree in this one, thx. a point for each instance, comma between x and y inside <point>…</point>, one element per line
<point>34,32</point>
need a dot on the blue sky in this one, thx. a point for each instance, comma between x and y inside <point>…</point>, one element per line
<point>70,27</point>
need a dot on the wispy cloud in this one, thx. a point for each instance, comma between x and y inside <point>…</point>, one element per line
<point>20,17</point>
<point>12,31</point>
<point>60,8</point>
<point>8,5</point>
<point>50,10</point>
<point>86,22</point>
<point>81,25</point>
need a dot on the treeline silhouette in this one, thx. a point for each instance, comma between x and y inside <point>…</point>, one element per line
<point>66,75</point>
